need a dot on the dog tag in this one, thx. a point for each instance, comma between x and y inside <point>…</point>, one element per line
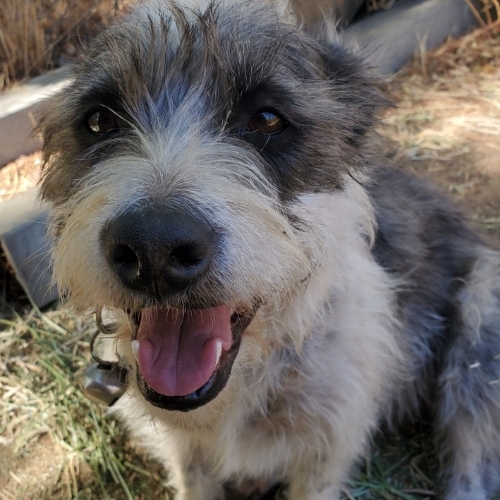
<point>104,384</point>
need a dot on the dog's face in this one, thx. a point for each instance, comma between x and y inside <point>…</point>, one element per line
<point>180,165</point>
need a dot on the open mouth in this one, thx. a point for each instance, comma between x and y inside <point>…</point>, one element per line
<point>185,357</point>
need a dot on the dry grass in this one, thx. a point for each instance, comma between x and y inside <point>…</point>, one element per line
<point>37,35</point>
<point>447,122</point>
<point>54,444</point>
<point>20,175</point>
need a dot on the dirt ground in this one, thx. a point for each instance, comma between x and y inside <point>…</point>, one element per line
<point>54,444</point>
<point>446,125</point>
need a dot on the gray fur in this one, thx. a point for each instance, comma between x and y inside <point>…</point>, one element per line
<point>450,315</point>
<point>344,338</point>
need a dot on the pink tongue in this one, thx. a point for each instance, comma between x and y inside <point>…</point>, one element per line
<point>177,351</point>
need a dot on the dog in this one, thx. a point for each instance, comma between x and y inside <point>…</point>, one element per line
<point>281,290</point>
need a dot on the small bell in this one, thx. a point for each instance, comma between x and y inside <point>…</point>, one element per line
<point>104,383</point>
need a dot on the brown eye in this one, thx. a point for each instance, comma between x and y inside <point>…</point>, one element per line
<point>102,122</point>
<point>266,122</point>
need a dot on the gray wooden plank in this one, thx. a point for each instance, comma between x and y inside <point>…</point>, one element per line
<point>26,248</point>
<point>312,11</point>
<point>390,38</point>
<point>17,109</point>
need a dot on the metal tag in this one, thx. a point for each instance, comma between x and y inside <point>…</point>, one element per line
<point>104,384</point>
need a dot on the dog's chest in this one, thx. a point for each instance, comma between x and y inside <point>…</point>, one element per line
<point>262,448</point>
<point>255,458</point>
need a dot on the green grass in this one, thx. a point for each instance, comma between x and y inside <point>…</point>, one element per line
<point>401,466</point>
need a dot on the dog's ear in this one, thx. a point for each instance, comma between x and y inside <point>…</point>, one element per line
<point>353,83</point>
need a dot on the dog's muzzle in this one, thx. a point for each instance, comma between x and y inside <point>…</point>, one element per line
<point>184,356</point>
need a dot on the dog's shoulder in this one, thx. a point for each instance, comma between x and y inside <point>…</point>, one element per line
<point>420,230</point>
<point>425,242</point>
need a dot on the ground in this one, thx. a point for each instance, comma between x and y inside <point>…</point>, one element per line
<point>446,124</point>
<point>38,35</point>
<point>54,444</point>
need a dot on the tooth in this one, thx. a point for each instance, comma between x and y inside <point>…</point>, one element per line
<point>135,349</point>
<point>218,352</point>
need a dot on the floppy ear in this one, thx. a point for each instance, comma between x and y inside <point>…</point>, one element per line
<point>353,84</point>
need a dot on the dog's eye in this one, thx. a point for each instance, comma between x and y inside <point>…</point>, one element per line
<point>102,122</point>
<point>266,122</point>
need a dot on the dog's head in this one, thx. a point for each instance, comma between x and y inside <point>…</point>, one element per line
<point>180,167</point>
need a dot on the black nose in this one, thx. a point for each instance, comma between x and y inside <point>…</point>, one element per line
<point>157,252</point>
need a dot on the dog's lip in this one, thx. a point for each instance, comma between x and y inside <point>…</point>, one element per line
<point>218,380</point>
<point>134,319</point>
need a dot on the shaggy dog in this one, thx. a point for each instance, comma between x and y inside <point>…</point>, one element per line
<point>281,292</point>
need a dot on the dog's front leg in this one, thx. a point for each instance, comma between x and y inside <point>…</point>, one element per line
<point>321,478</point>
<point>192,481</point>
<point>314,485</point>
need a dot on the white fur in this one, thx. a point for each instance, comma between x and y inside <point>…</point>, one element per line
<point>341,328</point>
